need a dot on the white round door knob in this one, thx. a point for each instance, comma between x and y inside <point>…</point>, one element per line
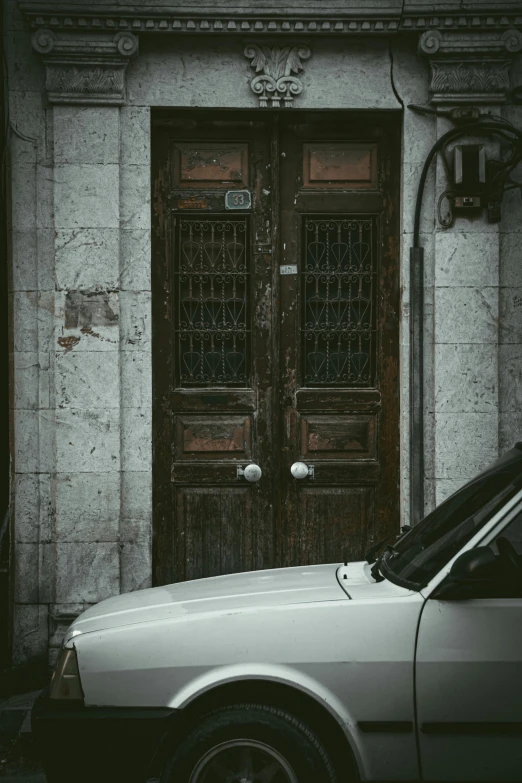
<point>252,472</point>
<point>300,471</point>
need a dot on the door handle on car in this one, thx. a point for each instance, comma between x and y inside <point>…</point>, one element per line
<point>301,470</point>
<point>252,472</point>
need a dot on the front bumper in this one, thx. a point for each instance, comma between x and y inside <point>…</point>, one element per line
<point>98,743</point>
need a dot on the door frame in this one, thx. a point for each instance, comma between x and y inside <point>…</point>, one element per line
<point>161,290</point>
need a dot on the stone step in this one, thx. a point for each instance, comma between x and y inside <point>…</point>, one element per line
<point>15,724</point>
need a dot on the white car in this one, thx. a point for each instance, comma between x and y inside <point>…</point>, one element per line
<point>406,668</point>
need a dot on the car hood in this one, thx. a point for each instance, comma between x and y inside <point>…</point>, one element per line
<point>234,592</point>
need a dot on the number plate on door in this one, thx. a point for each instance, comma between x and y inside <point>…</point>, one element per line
<point>238,199</point>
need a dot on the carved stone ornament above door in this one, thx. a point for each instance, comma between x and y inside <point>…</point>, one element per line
<point>275,82</point>
<point>87,70</point>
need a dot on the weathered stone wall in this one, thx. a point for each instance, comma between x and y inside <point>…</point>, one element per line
<point>81,322</point>
<point>510,299</point>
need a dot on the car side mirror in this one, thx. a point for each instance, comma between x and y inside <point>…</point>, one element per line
<point>473,571</point>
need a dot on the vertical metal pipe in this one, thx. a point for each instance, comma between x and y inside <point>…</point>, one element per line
<point>416,385</point>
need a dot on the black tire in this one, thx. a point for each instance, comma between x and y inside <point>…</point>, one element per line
<point>271,735</point>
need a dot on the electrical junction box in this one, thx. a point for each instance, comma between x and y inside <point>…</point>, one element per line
<point>469,176</point>
<point>470,166</point>
<point>468,202</point>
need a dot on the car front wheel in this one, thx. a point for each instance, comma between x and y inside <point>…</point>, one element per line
<point>251,743</point>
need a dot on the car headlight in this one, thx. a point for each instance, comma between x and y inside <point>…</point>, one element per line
<point>65,682</point>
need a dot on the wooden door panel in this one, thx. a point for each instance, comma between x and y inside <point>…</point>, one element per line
<point>334,474</point>
<point>214,399</point>
<point>210,165</point>
<point>332,524</point>
<point>214,531</point>
<point>339,165</point>
<point>327,437</point>
<point>211,473</point>
<point>212,437</point>
<point>338,399</point>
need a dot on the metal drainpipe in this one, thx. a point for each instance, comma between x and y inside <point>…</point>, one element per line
<point>416,384</point>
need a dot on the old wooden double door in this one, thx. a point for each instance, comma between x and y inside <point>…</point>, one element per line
<point>275,339</point>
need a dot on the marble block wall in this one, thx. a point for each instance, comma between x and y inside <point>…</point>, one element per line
<point>510,302</point>
<point>465,345</point>
<point>476,345</point>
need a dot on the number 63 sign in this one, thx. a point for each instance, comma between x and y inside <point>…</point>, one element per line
<point>238,199</point>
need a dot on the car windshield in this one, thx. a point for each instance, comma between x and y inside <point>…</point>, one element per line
<point>423,551</point>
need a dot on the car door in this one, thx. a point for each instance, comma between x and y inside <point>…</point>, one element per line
<point>469,683</point>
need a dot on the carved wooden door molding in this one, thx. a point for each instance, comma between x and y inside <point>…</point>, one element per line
<point>275,340</point>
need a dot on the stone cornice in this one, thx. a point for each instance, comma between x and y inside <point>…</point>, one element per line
<point>86,49</point>
<point>470,67</point>
<point>312,20</point>
<point>470,43</point>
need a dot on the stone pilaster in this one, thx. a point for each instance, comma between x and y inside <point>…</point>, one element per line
<point>465,343</point>
<point>468,67</point>
<point>86,475</point>
<point>510,303</point>
<point>135,349</point>
<point>85,80</point>
<point>31,302</point>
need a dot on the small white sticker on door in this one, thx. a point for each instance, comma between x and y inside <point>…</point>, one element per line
<point>288,269</point>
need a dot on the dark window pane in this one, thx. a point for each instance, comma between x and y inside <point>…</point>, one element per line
<point>212,307</point>
<point>338,284</point>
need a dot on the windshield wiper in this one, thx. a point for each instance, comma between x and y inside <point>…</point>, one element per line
<point>376,570</point>
<point>371,553</point>
<point>376,574</point>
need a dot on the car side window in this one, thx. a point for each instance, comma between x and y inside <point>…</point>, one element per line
<point>513,533</point>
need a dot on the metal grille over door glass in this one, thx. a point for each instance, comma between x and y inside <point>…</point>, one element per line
<point>212,284</point>
<point>338,324</point>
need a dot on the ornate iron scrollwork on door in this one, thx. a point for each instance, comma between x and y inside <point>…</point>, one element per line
<point>338,302</point>
<point>212,285</point>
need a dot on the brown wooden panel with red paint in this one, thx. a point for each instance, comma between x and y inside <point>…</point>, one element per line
<point>339,165</point>
<point>338,437</point>
<point>213,436</point>
<point>210,165</point>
